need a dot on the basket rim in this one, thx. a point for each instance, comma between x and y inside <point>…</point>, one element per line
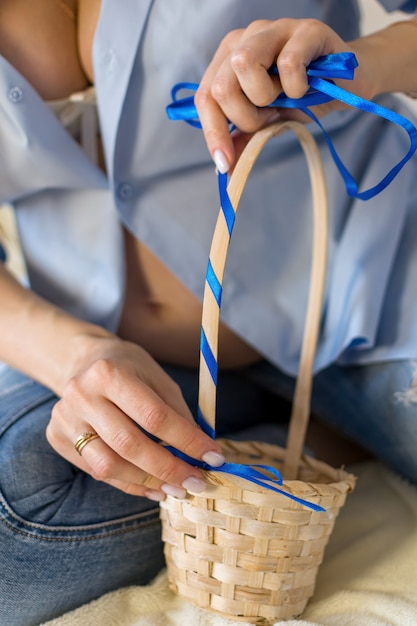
<point>337,479</point>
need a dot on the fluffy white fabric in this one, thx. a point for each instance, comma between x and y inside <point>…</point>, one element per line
<point>368,577</point>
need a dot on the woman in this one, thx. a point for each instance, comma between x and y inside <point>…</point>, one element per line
<point>115,230</point>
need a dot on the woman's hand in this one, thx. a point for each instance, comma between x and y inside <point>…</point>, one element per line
<point>116,389</point>
<point>238,87</point>
<point>106,386</point>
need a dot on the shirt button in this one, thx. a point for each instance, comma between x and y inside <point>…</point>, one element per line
<point>16,95</point>
<point>124,192</point>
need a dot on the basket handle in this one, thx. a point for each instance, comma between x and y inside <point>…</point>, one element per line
<point>214,279</point>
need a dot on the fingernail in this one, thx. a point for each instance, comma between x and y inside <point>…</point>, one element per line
<point>173,490</point>
<point>221,161</point>
<point>194,484</point>
<point>152,494</point>
<point>213,458</point>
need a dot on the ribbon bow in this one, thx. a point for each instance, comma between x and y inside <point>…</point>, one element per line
<point>320,74</point>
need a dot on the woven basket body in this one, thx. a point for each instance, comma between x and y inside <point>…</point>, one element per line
<point>248,552</point>
<point>238,548</point>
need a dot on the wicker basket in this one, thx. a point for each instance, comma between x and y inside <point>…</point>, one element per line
<point>239,548</point>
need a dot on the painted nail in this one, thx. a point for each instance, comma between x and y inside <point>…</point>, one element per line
<point>153,494</point>
<point>213,458</point>
<point>173,490</point>
<point>221,161</point>
<point>194,484</point>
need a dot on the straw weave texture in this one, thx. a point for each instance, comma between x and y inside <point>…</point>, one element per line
<point>245,551</point>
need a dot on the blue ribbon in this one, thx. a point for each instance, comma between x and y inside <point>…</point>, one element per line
<point>320,74</point>
<point>249,472</point>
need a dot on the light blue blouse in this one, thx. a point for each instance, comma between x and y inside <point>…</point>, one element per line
<point>161,185</point>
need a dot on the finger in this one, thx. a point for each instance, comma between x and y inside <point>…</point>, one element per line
<point>244,112</point>
<point>244,72</point>
<point>252,59</point>
<point>105,465</point>
<point>139,401</point>
<point>131,444</point>
<point>133,398</point>
<point>310,39</point>
<point>214,123</point>
<point>146,492</point>
<point>234,87</point>
<point>167,389</point>
<point>124,452</point>
<point>224,102</point>
<point>98,460</point>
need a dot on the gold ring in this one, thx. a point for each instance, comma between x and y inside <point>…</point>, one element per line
<point>83,440</point>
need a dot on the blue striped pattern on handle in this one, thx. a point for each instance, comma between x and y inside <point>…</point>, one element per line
<point>211,311</point>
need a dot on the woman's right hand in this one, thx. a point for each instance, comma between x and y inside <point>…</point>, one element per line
<point>237,85</point>
<point>116,390</point>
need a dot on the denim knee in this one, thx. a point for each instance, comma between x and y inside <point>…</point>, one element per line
<point>64,537</point>
<point>38,483</point>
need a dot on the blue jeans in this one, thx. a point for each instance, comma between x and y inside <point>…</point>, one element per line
<point>374,405</point>
<point>66,539</point>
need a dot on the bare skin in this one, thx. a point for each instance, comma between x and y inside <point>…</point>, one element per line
<point>237,82</point>
<point>160,314</point>
<point>108,383</point>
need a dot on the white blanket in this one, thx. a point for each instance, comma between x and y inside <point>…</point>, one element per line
<point>368,577</point>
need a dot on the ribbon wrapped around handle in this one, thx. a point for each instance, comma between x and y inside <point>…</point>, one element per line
<point>320,74</point>
<point>263,475</point>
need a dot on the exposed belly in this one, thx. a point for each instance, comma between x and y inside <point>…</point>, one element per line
<point>164,317</point>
